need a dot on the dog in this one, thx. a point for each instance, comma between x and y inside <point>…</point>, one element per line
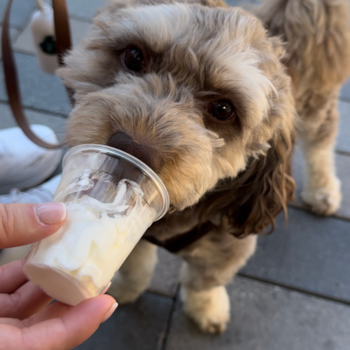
<point>213,95</point>
<point>211,98</point>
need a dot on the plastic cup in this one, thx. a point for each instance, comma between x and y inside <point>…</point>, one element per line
<point>111,198</point>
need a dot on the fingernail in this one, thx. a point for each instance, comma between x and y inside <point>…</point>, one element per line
<point>106,288</point>
<point>110,312</point>
<point>50,213</point>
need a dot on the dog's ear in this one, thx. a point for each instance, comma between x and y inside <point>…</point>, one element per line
<point>253,199</point>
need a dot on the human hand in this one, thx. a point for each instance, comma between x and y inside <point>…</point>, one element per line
<point>26,319</point>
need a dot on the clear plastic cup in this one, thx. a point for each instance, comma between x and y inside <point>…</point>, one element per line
<point>111,198</point>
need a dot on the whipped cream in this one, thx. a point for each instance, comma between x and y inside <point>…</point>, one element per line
<point>95,239</point>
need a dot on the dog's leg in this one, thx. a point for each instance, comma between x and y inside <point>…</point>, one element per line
<point>135,275</point>
<point>209,266</point>
<point>318,61</point>
<point>318,134</point>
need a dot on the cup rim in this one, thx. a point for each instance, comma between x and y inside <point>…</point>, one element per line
<point>144,168</point>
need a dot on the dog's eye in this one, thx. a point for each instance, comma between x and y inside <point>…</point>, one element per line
<point>134,60</point>
<point>221,109</point>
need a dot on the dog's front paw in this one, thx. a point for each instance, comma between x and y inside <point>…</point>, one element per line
<point>323,201</point>
<point>209,309</point>
<point>123,290</point>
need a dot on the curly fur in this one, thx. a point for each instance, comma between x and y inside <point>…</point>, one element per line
<point>236,174</point>
<point>317,33</point>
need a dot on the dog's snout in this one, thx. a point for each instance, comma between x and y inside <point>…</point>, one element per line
<point>146,154</point>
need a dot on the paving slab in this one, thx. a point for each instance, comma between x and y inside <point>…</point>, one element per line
<point>39,90</point>
<point>24,42</point>
<point>345,91</point>
<point>265,317</point>
<point>13,35</point>
<point>140,326</point>
<point>165,277</point>
<point>235,2</point>
<point>343,139</point>
<point>343,169</point>
<point>21,12</point>
<point>241,3</point>
<point>308,253</point>
<point>54,122</point>
<point>84,9</point>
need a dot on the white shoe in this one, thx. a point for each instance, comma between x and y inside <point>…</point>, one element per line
<point>23,163</point>
<point>40,194</point>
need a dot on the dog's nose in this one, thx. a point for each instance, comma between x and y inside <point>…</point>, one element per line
<point>145,153</point>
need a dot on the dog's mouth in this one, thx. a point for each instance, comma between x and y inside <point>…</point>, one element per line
<point>143,152</point>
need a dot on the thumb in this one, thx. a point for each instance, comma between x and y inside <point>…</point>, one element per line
<point>22,224</point>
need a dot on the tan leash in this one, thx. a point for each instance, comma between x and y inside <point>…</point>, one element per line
<point>63,43</point>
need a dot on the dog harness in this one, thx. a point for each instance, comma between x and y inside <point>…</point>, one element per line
<point>183,240</point>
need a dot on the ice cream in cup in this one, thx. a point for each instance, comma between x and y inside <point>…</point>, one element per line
<point>111,198</point>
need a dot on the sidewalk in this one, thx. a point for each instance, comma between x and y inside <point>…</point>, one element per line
<point>293,295</point>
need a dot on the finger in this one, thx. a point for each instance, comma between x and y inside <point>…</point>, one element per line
<point>10,335</point>
<point>22,224</point>
<point>12,276</point>
<point>77,325</point>
<point>54,310</point>
<point>11,322</point>
<point>24,302</point>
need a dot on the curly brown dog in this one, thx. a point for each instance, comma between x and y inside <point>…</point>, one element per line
<point>210,98</point>
<point>212,93</point>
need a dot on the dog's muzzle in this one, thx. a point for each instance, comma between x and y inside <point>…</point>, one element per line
<point>146,154</point>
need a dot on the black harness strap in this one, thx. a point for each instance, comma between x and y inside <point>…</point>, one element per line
<point>183,240</point>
